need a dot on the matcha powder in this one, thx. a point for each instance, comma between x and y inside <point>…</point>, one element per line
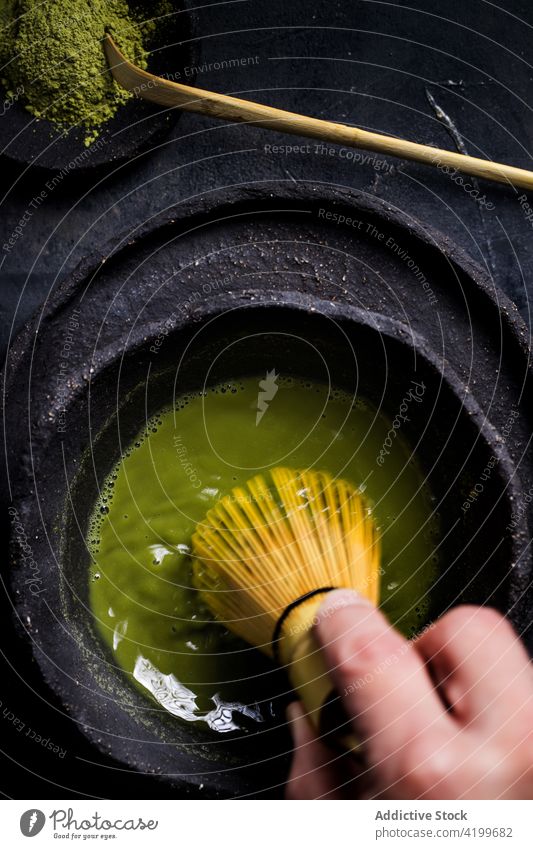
<point>52,52</point>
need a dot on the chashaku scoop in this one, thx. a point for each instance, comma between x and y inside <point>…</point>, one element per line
<point>167,93</point>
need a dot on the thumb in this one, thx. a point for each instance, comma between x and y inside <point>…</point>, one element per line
<point>380,677</point>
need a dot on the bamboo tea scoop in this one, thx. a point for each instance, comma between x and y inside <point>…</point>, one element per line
<point>171,94</point>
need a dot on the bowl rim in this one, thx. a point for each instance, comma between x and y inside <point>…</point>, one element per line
<point>290,302</point>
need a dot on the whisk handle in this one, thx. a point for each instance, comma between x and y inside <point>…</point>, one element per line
<point>310,678</point>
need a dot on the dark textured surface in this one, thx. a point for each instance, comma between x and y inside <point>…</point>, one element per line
<point>383,66</point>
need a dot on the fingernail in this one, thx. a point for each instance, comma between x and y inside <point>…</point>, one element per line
<point>337,599</point>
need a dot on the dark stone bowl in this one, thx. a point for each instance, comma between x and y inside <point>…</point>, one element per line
<point>129,360</point>
<point>361,352</point>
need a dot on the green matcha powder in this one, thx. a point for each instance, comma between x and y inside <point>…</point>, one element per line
<point>52,53</point>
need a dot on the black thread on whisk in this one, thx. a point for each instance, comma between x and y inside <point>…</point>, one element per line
<point>279,625</point>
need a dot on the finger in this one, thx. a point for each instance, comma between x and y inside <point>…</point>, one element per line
<point>313,772</point>
<point>481,667</point>
<point>381,679</point>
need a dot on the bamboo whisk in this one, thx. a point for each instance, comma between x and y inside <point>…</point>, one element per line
<point>268,552</point>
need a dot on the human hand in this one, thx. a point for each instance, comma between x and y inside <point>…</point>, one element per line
<point>448,715</point>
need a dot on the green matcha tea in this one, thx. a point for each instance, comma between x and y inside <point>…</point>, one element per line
<point>179,466</point>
